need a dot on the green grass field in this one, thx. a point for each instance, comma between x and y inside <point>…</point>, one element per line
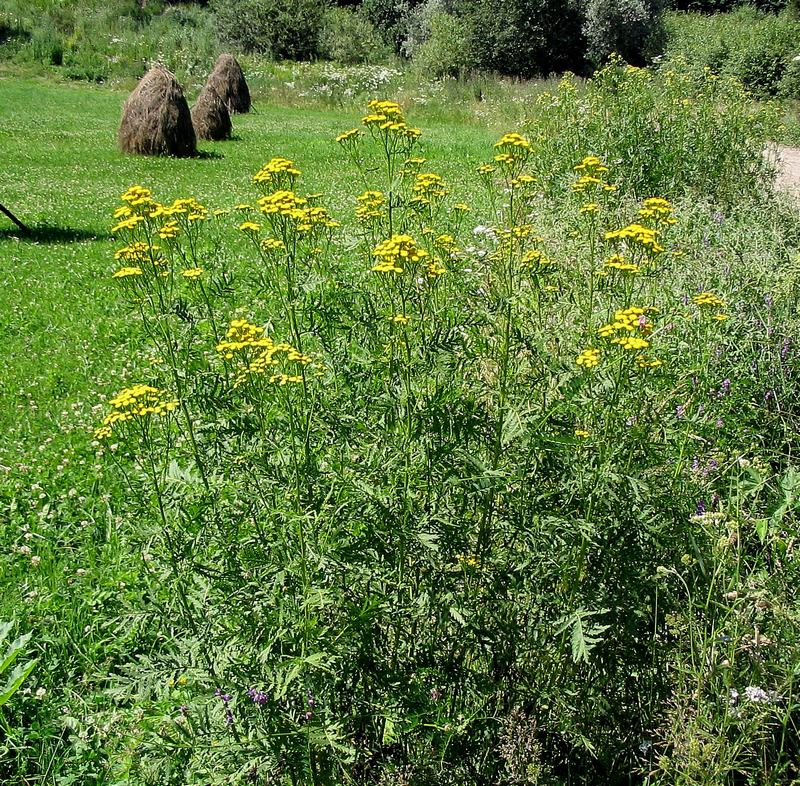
<point>63,331</point>
<point>509,499</point>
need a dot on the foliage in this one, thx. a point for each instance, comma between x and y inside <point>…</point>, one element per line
<point>280,29</point>
<point>447,474</point>
<point>349,37</point>
<point>523,37</point>
<point>667,132</point>
<point>390,18</point>
<point>13,678</point>
<point>445,51</point>
<point>629,28</point>
<point>754,47</point>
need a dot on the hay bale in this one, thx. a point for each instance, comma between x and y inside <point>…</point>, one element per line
<point>156,119</point>
<point>229,82</point>
<point>210,116</point>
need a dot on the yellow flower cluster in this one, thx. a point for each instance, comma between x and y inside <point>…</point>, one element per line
<point>658,210</point>
<point>272,244</point>
<point>435,268</point>
<point>127,223</point>
<point>428,187</point>
<point>138,401</point>
<point>284,202</point>
<point>591,164</point>
<point>261,354</point>
<point>628,320</point>
<point>127,272</point>
<point>137,196</point>
<point>617,262</point>
<point>446,243</point>
<point>590,208</point>
<point>169,231</point>
<point>522,181</point>
<point>592,177</point>
<point>190,208</point>
<point>137,252</point>
<point>192,272</point>
<point>708,299</point>
<point>395,252</point>
<point>277,173</point>
<point>387,117</point>
<point>513,140</point>
<point>287,204</point>
<point>637,235</point>
<point>249,226</point>
<point>349,136</point>
<point>535,258</point>
<point>589,358</point>
<point>140,207</point>
<point>370,205</point>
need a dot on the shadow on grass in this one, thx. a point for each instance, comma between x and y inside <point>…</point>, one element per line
<point>205,154</point>
<point>46,233</point>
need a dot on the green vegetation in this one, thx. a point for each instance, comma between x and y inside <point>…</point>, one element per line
<point>757,48</point>
<point>479,466</point>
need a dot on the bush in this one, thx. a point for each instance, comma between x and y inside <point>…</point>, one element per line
<point>349,37</point>
<point>391,18</point>
<point>446,50</point>
<point>750,45</point>
<point>280,29</point>
<point>441,521</point>
<point>666,133</point>
<point>789,86</point>
<point>631,28</point>
<point>525,38</point>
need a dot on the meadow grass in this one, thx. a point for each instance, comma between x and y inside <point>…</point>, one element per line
<point>459,535</point>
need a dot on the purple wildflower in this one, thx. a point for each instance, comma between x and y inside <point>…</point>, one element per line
<point>258,697</point>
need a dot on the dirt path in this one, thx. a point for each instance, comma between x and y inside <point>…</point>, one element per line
<point>788,161</point>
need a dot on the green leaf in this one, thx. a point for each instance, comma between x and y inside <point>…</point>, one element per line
<point>15,680</point>
<point>762,529</point>
<point>584,636</point>
<point>13,650</point>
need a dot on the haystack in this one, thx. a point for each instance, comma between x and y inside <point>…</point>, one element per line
<point>210,116</point>
<point>156,119</point>
<point>228,80</point>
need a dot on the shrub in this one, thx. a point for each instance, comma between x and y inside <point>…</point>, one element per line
<point>349,37</point>
<point>280,29</point>
<point>631,28</point>
<point>755,47</point>
<point>666,132</point>
<point>391,19</point>
<point>423,511</point>
<point>789,86</point>
<point>446,51</point>
<point>525,38</point>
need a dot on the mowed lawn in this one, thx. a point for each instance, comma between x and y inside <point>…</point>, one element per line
<point>65,337</point>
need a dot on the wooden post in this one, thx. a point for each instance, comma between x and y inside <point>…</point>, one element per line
<point>19,223</point>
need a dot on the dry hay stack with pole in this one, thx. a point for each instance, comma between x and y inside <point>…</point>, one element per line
<point>156,119</point>
<point>210,116</point>
<point>228,81</point>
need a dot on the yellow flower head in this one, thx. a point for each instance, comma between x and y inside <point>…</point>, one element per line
<point>137,401</point>
<point>277,173</point>
<point>708,299</point>
<point>127,272</point>
<point>396,252</point>
<point>589,358</point>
